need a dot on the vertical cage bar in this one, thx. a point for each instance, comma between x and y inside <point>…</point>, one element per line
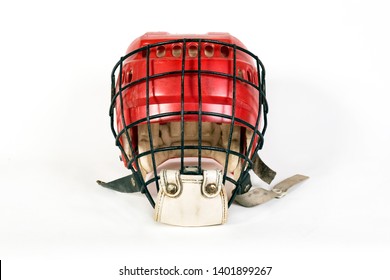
<point>199,109</point>
<point>128,139</point>
<point>233,114</point>
<point>245,170</point>
<point>137,175</point>
<point>148,116</point>
<point>249,150</point>
<point>111,113</point>
<point>263,98</point>
<point>182,106</point>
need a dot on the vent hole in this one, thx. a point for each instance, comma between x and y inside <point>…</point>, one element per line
<point>176,51</point>
<point>193,51</point>
<point>129,76</point>
<point>209,51</point>
<point>160,51</point>
<point>249,76</point>
<point>225,51</point>
<point>240,74</point>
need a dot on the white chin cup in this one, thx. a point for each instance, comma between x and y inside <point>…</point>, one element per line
<point>191,200</point>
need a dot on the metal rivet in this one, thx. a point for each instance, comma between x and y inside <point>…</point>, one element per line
<point>171,189</point>
<point>211,189</point>
<point>278,191</point>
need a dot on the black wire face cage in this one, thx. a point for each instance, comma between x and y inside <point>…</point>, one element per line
<point>121,127</point>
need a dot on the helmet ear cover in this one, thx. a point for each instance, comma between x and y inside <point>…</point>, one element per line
<point>188,97</point>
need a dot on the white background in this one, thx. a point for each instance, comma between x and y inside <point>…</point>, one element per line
<point>327,77</point>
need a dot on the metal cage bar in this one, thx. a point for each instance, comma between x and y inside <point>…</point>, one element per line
<point>199,109</point>
<point>182,105</point>
<point>148,116</point>
<point>138,177</point>
<point>233,117</point>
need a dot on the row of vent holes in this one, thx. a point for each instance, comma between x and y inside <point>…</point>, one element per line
<point>129,76</point>
<point>192,51</point>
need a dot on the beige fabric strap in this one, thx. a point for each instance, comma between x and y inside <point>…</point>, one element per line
<point>258,196</point>
<point>262,170</point>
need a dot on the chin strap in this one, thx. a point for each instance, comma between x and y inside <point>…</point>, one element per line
<point>248,197</point>
<point>252,197</point>
<point>262,170</point>
<point>126,184</point>
<point>258,196</point>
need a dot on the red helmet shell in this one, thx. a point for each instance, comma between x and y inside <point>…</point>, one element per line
<point>146,84</point>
